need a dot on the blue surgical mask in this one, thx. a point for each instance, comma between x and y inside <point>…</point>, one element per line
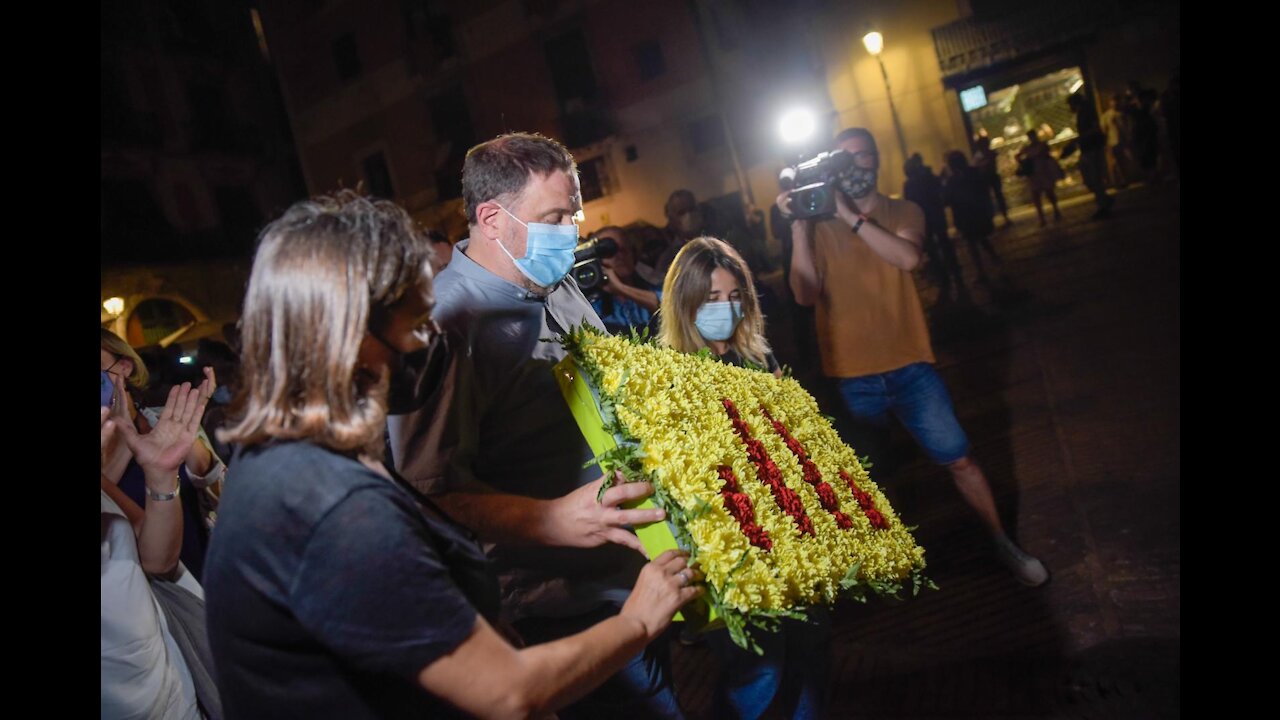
<point>548,254</point>
<point>221,396</point>
<point>718,320</point>
<point>108,389</point>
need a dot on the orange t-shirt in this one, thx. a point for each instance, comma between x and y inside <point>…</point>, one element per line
<point>869,317</point>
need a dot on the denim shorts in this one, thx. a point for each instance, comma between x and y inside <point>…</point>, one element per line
<point>919,399</point>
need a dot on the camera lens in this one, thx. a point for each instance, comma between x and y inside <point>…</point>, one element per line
<point>813,200</point>
<point>587,275</point>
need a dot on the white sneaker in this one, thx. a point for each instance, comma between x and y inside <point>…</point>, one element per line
<point>1028,570</point>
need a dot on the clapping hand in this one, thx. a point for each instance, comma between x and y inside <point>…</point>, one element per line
<point>163,449</point>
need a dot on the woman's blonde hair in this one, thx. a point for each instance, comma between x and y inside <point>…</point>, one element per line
<point>116,345</point>
<point>322,272</point>
<point>686,287</point>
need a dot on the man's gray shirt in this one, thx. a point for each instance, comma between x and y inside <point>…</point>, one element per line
<point>499,419</point>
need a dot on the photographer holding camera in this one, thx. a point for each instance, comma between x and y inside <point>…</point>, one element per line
<point>624,300</point>
<point>871,328</point>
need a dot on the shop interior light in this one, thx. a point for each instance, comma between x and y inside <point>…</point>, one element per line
<point>1007,104</point>
<point>114,306</point>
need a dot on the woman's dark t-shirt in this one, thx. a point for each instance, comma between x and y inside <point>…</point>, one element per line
<point>329,588</point>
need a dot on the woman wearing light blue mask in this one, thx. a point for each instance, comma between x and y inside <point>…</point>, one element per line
<point>709,300</point>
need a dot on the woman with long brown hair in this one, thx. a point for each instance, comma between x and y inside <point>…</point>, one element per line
<point>709,301</point>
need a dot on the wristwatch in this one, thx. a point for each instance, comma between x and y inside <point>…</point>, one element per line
<point>858,225</point>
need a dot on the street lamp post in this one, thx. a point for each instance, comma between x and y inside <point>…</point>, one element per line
<point>874,43</point>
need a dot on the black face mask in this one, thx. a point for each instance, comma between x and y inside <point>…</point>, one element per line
<point>858,182</point>
<point>412,377</point>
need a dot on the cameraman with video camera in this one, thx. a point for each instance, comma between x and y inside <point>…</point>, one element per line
<point>853,250</point>
<point>622,299</point>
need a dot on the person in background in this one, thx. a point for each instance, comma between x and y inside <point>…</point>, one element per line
<point>146,669</point>
<point>201,472</point>
<point>709,301</point>
<point>985,159</point>
<point>1092,143</point>
<point>1042,171</point>
<point>924,188</point>
<point>1116,124</point>
<point>970,202</point>
<point>442,251</point>
<point>628,301</point>
<point>685,221</point>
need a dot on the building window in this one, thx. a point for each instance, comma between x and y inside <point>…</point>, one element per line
<point>594,179</point>
<point>346,56</point>
<point>377,176</point>
<point>705,134</point>
<point>570,65</point>
<point>424,21</point>
<point>649,59</point>
<point>582,120</point>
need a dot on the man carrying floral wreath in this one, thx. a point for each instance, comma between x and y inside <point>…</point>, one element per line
<point>496,446</point>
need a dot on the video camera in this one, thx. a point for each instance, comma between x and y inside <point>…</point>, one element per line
<point>587,269</point>
<point>812,184</point>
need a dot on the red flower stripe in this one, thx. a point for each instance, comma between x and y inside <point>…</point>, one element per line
<point>864,501</point>
<point>826,494</point>
<point>739,506</point>
<point>768,473</point>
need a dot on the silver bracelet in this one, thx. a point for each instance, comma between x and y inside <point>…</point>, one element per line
<point>162,497</point>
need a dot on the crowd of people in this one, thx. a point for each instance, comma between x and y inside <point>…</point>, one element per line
<point>411,526</point>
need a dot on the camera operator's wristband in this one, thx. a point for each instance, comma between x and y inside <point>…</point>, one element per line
<point>858,225</point>
<point>162,497</point>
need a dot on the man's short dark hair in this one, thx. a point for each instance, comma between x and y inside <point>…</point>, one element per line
<point>682,192</point>
<point>500,168</point>
<point>857,132</point>
<point>629,239</point>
